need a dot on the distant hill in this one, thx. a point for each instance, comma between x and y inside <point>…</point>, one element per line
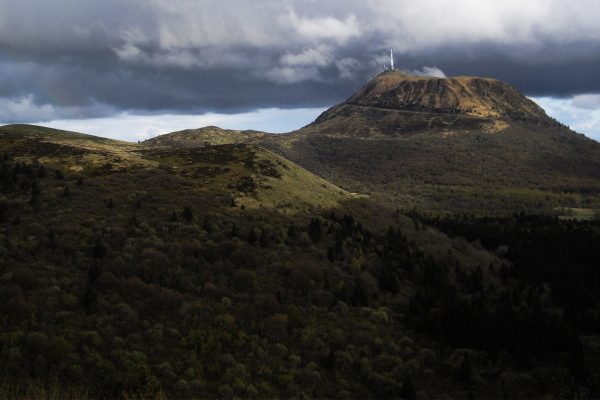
<point>249,175</point>
<point>210,135</point>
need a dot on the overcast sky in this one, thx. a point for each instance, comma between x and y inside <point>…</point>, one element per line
<point>135,68</point>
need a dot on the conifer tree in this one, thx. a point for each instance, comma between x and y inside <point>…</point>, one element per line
<point>408,389</point>
<point>264,240</point>
<point>188,214</point>
<point>252,236</point>
<point>315,230</point>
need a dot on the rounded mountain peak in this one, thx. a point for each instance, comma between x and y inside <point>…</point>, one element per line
<point>479,97</point>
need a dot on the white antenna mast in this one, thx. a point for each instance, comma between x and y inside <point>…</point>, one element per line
<point>391,59</point>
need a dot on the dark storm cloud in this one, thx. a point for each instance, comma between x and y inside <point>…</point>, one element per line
<point>77,58</point>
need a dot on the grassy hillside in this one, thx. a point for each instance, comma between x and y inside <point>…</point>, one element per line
<point>70,150</point>
<point>247,175</point>
<point>450,144</point>
<point>524,166</point>
<point>207,136</point>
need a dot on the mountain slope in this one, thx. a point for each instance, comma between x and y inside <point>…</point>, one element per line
<point>455,143</point>
<point>481,97</point>
<point>69,150</point>
<point>245,174</point>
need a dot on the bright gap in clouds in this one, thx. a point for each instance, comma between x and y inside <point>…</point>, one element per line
<point>581,113</point>
<point>131,127</point>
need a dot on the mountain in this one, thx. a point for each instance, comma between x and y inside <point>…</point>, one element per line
<point>454,144</point>
<point>398,103</point>
<point>478,97</point>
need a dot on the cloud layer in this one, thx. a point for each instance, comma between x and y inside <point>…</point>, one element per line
<point>88,59</point>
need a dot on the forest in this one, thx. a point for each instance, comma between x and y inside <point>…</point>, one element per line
<point>107,291</point>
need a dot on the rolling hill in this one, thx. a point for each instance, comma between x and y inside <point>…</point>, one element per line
<point>209,135</point>
<point>249,175</point>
